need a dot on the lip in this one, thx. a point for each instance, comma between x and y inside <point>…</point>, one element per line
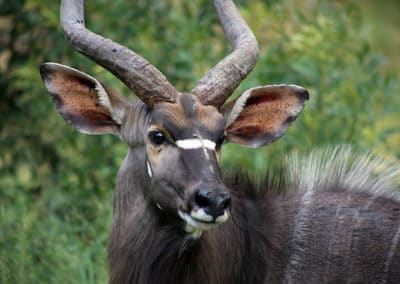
<point>196,223</point>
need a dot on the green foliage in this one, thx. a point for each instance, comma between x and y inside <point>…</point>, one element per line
<point>56,185</point>
<point>319,45</point>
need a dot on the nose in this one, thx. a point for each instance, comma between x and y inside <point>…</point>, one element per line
<point>213,204</point>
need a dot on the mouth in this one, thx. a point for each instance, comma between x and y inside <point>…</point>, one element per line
<point>198,221</point>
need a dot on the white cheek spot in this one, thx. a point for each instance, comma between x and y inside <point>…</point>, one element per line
<point>188,144</point>
<point>149,171</point>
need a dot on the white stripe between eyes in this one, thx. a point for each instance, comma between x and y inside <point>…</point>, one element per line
<point>188,144</point>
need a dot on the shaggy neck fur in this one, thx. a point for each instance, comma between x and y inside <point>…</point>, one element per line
<point>147,246</point>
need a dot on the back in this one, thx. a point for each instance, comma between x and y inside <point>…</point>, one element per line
<point>338,236</point>
<point>340,219</point>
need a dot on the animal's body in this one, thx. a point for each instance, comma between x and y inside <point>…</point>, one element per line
<point>327,219</point>
<point>345,229</point>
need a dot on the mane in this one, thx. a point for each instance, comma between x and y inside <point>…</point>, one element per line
<point>329,168</point>
<point>343,167</point>
<point>242,184</point>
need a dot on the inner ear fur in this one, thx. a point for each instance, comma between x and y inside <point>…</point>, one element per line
<point>261,115</point>
<point>83,101</point>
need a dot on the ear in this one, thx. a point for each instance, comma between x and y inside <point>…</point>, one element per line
<point>83,101</point>
<point>261,115</point>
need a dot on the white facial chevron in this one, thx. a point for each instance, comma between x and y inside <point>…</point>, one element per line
<point>188,144</point>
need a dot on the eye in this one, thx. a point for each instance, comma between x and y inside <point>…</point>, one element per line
<point>156,137</point>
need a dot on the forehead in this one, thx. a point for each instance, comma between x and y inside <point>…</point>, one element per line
<point>187,117</point>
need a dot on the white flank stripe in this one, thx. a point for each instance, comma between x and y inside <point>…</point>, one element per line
<point>189,144</point>
<point>299,237</point>
<point>393,247</point>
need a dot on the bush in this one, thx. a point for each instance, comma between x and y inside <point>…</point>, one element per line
<point>56,185</point>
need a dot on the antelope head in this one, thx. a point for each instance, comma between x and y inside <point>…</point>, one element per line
<point>181,133</point>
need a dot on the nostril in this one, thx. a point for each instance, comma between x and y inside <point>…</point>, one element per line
<point>225,201</point>
<point>210,203</point>
<point>202,198</point>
